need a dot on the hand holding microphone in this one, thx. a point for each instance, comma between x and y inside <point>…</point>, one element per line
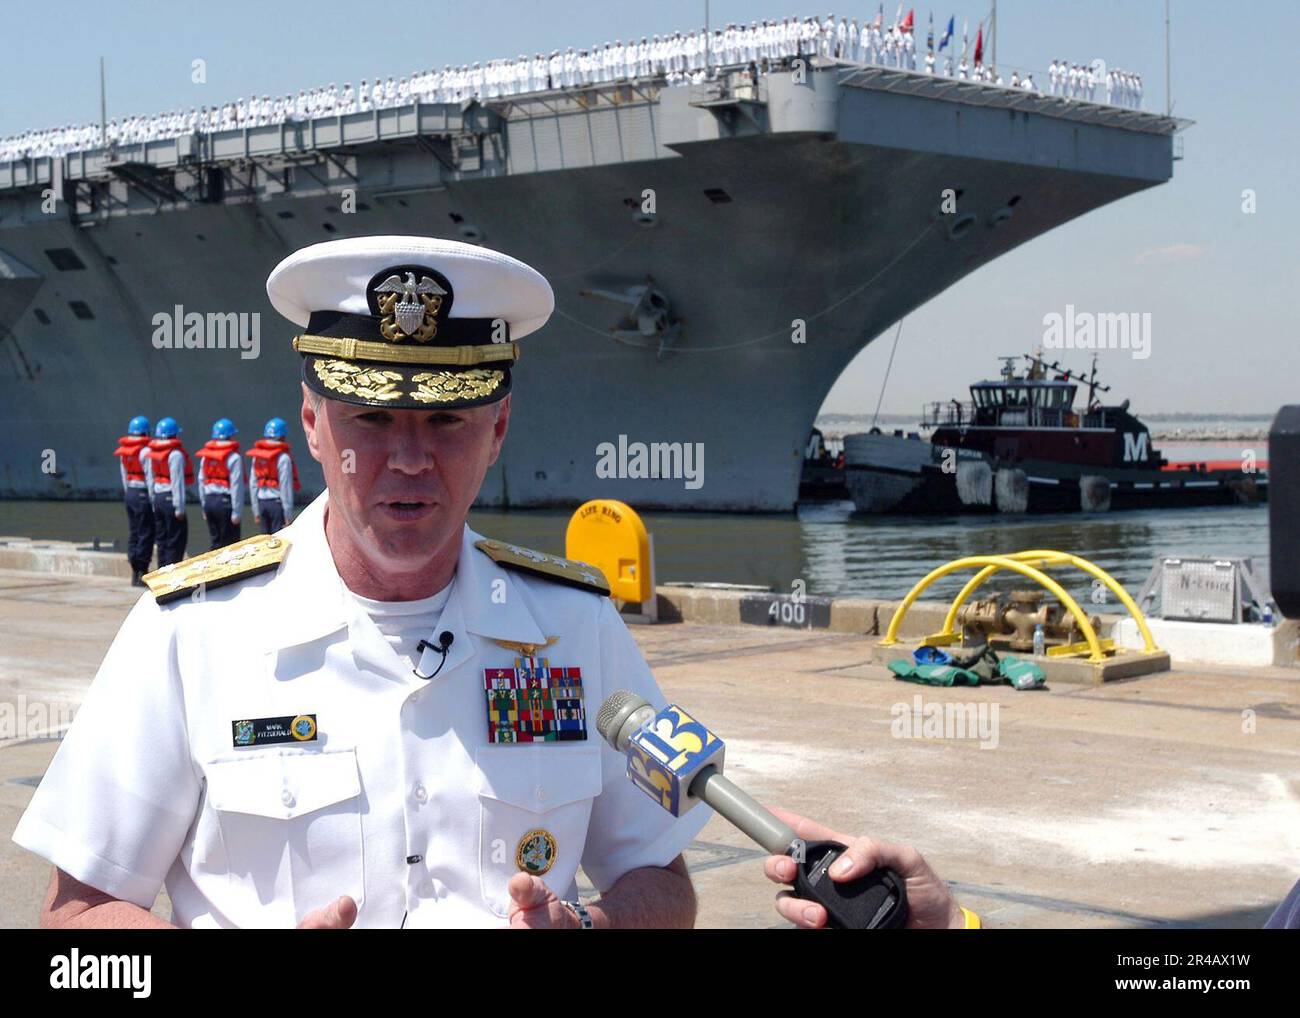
<point>678,762</point>
<point>930,905</point>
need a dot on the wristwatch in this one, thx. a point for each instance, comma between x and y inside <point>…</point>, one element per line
<point>580,910</point>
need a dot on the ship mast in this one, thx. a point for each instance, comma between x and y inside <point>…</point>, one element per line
<point>706,37</point>
<point>103,107</point>
<point>1094,385</point>
<point>1169,92</point>
<point>993,35</point>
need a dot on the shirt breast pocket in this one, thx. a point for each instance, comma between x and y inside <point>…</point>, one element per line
<point>290,823</point>
<point>534,804</point>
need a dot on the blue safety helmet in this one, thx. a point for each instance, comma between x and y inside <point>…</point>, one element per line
<point>139,425</point>
<point>224,428</point>
<point>167,428</point>
<point>275,428</point>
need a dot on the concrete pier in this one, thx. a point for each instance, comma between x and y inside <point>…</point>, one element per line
<point>1167,800</point>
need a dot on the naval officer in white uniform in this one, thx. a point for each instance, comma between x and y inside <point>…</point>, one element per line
<point>375,717</point>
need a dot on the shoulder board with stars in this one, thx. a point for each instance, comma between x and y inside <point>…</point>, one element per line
<point>562,570</point>
<point>230,564</point>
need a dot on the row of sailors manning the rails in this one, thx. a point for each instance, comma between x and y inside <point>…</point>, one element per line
<point>679,58</point>
<point>156,471</point>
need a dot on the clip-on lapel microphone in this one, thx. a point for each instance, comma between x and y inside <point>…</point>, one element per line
<point>445,639</point>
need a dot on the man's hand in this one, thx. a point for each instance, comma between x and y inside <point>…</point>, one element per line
<point>534,906</point>
<point>337,915</point>
<point>930,905</point>
<point>234,519</point>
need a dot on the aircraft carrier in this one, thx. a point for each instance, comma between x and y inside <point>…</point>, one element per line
<point>812,197</point>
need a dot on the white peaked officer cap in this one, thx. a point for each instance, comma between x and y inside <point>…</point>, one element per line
<point>409,322</point>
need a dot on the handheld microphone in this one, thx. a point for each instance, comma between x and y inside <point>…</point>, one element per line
<point>445,639</point>
<point>678,762</point>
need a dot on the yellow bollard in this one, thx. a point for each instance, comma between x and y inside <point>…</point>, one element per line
<point>609,534</point>
<point>1041,557</point>
<point>1029,564</point>
<point>1001,562</point>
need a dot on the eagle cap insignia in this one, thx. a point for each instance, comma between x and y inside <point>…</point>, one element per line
<point>409,300</point>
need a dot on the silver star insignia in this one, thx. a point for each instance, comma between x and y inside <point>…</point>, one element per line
<point>229,556</point>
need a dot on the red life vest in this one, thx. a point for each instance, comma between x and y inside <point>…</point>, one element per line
<point>265,454</point>
<point>128,451</point>
<point>159,451</point>
<point>216,452</point>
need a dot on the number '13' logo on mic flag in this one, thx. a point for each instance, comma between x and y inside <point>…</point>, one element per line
<point>667,753</point>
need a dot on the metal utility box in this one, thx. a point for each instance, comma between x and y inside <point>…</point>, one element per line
<point>1205,590</point>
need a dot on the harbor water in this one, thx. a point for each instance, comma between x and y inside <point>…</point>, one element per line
<point>834,552</point>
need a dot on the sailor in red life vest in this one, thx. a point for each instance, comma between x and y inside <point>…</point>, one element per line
<point>137,482</point>
<point>221,483</point>
<point>272,477</point>
<point>172,470</point>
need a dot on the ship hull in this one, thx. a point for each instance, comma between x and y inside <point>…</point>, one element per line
<point>829,221</point>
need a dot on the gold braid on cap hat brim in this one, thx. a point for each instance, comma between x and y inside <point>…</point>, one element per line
<point>393,353</point>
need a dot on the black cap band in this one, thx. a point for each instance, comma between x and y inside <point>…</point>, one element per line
<point>451,331</point>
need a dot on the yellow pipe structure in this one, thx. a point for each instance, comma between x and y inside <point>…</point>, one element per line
<point>1042,556</point>
<point>1001,562</point>
<point>1071,649</point>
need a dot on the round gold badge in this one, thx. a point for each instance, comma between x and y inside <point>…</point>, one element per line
<point>303,727</point>
<point>536,852</point>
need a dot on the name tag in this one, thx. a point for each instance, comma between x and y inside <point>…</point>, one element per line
<point>269,731</point>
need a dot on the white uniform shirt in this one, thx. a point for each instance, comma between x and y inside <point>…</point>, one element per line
<point>405,623</point>
<point>148,787</point>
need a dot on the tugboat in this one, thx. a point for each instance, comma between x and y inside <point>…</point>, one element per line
<point>1021,446</point>
<point>822,477</point>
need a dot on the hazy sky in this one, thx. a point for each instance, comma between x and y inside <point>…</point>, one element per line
<point>1219,283</point>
